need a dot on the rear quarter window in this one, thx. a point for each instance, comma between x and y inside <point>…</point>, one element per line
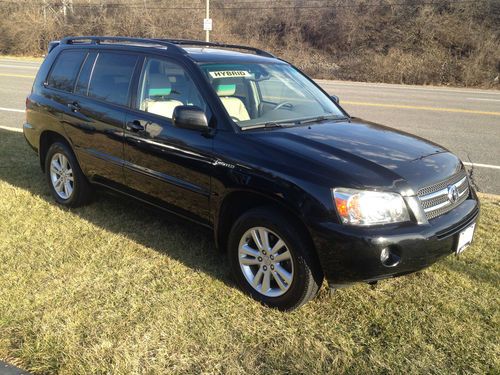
<point>82,84</point>
<point>111,77</point>
<point>65,70</point>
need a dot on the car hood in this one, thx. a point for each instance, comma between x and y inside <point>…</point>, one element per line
<point>361,153</point>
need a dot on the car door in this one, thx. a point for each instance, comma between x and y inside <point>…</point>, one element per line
<point>58,89</point>
<point>169,165</point>
<point>95,122</point>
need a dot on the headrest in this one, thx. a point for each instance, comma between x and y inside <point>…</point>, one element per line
<point>154,67</point>
<point>160,91</point>
<point>227,89</point>
<point>159,85</point>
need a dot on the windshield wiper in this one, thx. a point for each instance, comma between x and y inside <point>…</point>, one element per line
<point>270,124</point>
<point>273,124</point>
<point>319,119</point>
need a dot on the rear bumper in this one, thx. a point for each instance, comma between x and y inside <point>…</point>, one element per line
<point>352,254</point>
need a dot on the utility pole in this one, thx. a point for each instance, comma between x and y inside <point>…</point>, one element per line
<point>66,4</point>
<point>65,10</point>
<point>207,32</point>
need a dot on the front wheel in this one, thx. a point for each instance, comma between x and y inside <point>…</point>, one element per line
<point>272,260</point>
<point>67,182</point>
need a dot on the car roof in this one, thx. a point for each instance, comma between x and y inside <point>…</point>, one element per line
<point>204,55</point>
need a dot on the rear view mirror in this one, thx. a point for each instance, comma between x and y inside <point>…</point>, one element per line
<point>189,117</point>
<point>335,98</point>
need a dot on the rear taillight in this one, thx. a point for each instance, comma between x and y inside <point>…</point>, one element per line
<point>28,105</point>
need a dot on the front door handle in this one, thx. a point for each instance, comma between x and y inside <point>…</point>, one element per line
<point>135,126</point>
<point>74,107</point>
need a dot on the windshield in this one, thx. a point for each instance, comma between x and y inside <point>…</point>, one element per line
<point>268,94</point>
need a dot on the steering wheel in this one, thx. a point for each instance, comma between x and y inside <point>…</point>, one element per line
<point>283,104</point>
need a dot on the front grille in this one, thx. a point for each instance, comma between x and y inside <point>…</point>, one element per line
<point>435,200</point>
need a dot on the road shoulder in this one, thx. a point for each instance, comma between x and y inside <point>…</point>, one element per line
<point>6,369</point>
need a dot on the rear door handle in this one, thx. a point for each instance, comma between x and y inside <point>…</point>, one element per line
<point>135,126</point>
<point>74,107</point>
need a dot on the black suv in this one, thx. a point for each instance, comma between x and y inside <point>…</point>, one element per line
<point>237,140</point>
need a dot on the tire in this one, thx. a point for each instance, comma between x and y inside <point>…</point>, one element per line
<point>60,155</point>
<point>247,259</point>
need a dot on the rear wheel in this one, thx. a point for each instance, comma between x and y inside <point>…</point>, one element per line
<point>66,181</point>
<point>272,260</point>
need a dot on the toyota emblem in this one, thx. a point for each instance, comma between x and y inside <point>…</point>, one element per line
<point>452,193</point>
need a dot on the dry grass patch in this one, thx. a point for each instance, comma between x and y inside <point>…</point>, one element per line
<point>116,288</point>
<point>418,42</point>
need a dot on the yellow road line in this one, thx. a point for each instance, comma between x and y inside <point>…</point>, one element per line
<point>16,75</point>
<point>422,108</point>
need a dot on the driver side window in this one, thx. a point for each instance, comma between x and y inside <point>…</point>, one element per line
<point>165,85</point>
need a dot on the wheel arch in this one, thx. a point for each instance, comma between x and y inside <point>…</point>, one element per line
<point>47,138</point>
<point>238,202</point>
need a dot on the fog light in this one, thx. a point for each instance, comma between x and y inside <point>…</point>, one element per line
<point>390,256</point>
<point>384,255</point>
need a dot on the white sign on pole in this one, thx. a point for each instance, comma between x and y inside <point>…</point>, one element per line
<point>207,24</point>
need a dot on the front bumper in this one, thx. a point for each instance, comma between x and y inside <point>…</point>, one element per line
<point>352,254</point>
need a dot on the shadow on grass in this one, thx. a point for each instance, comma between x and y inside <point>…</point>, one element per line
<point>183,241</point>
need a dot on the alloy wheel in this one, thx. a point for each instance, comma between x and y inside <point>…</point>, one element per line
<point>266,262</point>
<point>61,176</point>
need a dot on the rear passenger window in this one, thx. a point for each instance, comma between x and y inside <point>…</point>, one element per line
<point>111,77</point>
<point>66,68</point>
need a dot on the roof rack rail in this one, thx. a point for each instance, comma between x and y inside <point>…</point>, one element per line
<point>169,43</point>
<point>100,39</point>
<point>214,44</point>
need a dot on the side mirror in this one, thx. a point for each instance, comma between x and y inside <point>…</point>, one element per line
<point>335,98</point>
<point>189,117</point>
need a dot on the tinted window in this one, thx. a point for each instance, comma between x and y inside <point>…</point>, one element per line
<point>165,85</point>
<point>63,74</point>
<point>111,77</point>
<point>82,82</point>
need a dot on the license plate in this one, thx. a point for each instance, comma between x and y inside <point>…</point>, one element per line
<point>465,239</point>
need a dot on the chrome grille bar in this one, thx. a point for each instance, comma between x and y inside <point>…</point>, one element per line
<point>442,191</point>
<point>434,199</point>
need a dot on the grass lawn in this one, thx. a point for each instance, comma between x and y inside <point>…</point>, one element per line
<point>117,288</point>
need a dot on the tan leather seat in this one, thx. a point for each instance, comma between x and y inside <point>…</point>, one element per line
<point>234,106</point>
<point>163,108</point>
<point>156,100</point>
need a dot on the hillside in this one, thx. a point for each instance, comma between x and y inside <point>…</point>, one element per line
<point>399,41</point>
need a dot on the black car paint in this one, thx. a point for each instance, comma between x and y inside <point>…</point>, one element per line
<point>192,173</point>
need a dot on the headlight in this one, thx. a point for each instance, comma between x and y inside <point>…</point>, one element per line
<point>360,207</point>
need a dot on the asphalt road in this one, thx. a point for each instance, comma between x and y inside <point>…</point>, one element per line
<point>6,369</point>
<point>466,121</point>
